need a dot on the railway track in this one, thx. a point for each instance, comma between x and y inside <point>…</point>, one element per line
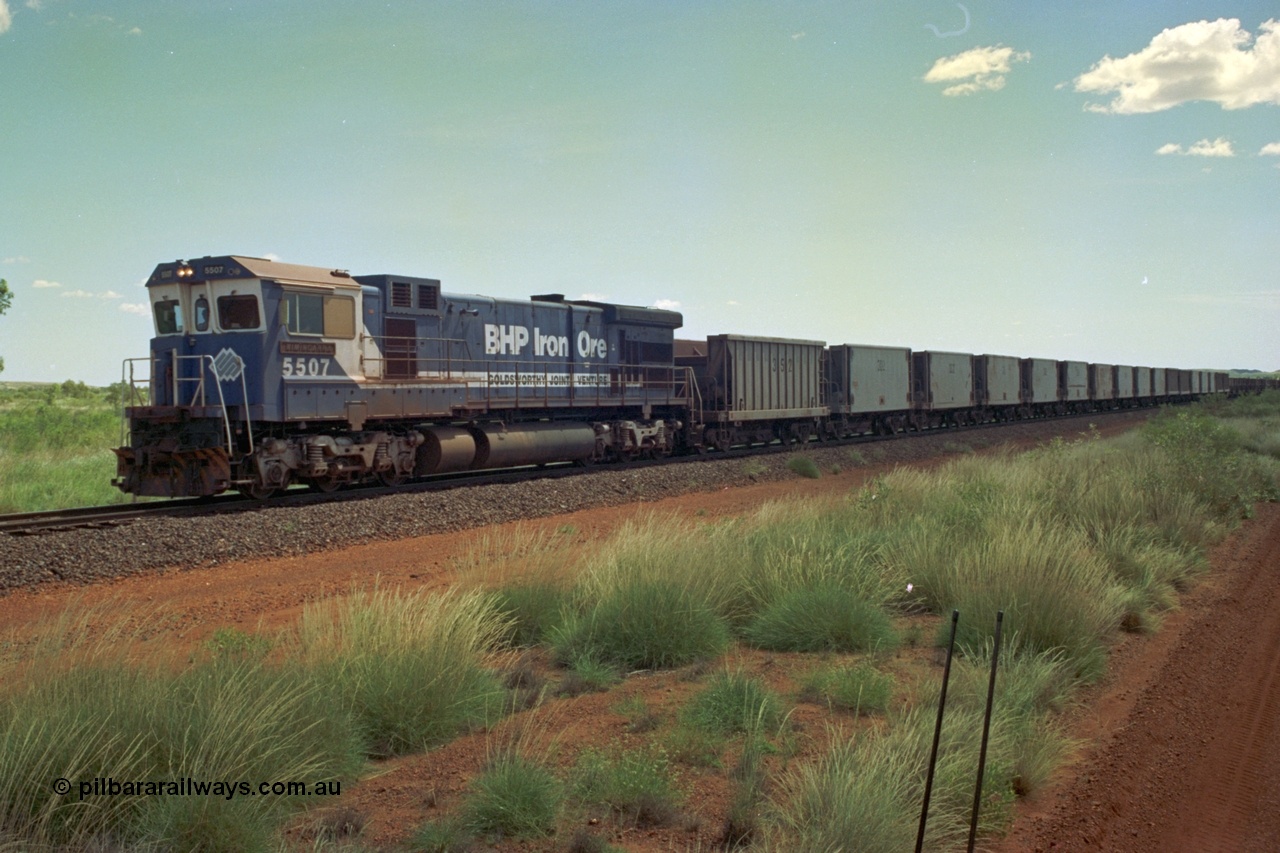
<point>113,515</point>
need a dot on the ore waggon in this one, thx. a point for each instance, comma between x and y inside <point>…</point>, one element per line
<point>263,374</point>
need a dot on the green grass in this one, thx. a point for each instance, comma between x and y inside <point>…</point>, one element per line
<point>514,797</point>
<point>804,466</point>
<point>215,721</point>
<point>532,610</point>
<point>734,703</point>
<point>860,688</point>
<point>376,673</point>
<point>644,624</point>
<point>55,447</point>
<point>865,792</point>
<point>635,785</point>
<point>824,617</point>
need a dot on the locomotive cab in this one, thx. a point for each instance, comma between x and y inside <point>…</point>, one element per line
<point>233,336</point>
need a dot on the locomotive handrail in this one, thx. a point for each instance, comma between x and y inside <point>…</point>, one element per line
<point>198,394</point>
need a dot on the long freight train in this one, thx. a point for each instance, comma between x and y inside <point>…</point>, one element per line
<point>263,374</point>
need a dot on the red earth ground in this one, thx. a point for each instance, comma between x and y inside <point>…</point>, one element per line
<point>1181,740</point>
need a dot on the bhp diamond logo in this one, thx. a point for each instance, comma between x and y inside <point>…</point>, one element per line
<point>227,365</point>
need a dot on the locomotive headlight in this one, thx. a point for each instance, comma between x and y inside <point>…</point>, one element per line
<point>185,271</point>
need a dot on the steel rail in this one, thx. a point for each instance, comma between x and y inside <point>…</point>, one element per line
<point>28,523</point>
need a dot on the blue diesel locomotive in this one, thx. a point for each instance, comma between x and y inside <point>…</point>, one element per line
<point>263,373</point>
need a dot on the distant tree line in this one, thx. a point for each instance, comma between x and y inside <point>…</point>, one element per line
<point>6,299</point>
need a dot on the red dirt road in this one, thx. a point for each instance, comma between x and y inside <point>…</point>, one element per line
<point>1185,728</point>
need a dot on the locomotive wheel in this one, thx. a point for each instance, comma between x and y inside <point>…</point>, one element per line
<point>258,491</point>
<point>325,484</point>
<point>390,477</point>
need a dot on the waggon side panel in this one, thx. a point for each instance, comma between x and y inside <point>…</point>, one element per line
<point>1073,381</point>
<point>749,378</point>
<point>869,379</point>
<point>944,380</point>
<point>1142,382</point>
<point>1102,382</point>
<point>1002,380</point>
<point>1039,380</point>
<point>1123,381</point>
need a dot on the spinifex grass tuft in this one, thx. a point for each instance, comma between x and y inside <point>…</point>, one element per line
<point>861,688</point>
<point>734,703</point>
<point>644,624</point>
<point>407,666</point>
<point>804,466</point>
<point>824,617</point>
<point>513,796</point>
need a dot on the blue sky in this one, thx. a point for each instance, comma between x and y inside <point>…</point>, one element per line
<point>1085,180</point>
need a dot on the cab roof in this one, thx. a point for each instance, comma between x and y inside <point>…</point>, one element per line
<point>210,268</point>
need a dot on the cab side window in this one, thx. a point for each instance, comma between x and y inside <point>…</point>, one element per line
<point>238,312</point>
<point>168,317</point>
<point>312,314</point>
<point>202,314</point>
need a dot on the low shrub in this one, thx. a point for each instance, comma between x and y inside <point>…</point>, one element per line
<point>635,785</point>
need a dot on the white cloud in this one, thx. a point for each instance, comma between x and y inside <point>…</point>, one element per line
<point>6,17</point>
<point>136,31</point>
<point>985,65</point>
<point>77,294</point>
<point>142,309</point>
<point>110,294</point>
<point>41,284</point>
<point>594,297</point>
<point>1201,61</point>
<point>666,304</point>
<point>271,256</point>
<point>1271,149</point>
<point>18,259</point>
<point>1220,147</point>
